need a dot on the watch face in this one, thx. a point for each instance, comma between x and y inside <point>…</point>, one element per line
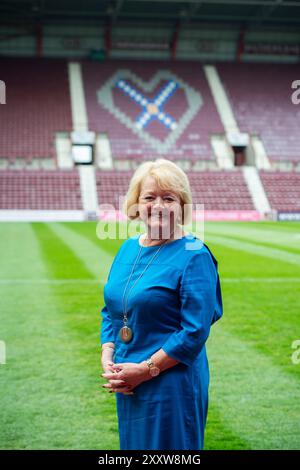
<point>154,371</point>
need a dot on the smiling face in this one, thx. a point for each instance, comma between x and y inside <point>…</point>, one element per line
<point>160,209</point>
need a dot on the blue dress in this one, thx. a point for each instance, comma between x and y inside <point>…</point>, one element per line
<point>172,307</point>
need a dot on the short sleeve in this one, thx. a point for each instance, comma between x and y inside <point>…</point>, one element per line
<point>198,300</point>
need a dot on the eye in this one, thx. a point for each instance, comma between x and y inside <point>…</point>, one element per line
<point>169,198</point>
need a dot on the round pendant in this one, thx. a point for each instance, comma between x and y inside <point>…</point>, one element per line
<point>125,334</point>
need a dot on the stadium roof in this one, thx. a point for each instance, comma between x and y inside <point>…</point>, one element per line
<point>238,14</point>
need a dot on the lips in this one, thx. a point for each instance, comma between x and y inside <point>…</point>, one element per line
<point>158,216</point>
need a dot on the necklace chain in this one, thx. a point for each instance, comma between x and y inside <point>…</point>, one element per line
<point>125,319</point>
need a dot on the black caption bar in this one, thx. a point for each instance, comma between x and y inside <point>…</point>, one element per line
<point>132,459</point>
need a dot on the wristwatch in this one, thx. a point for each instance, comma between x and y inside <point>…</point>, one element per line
<point>153,370</point>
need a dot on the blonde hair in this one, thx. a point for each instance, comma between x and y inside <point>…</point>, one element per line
<point>168,176</point>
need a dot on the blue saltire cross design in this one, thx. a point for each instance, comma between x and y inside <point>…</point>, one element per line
<point>151,109</point>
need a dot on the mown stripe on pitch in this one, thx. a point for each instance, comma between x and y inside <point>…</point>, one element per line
<point>256,249</point>
<point>234,263</point>
<point>20,322</point>
<point>79,415</point>
<point>16,254</point>
<point>218,435</point>
<point>255,398</point>
<point>273,235</point>
<point>287,244</point>
<point>265,317</point>
<point>79,318</point>
<point>96,260</point>
<point>48,398</point>
<point>65,262</point>
<point>91,232</point>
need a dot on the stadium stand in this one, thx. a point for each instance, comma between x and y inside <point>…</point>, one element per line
<point>111,185</point>
<point>217,190</point>
<point>151,109</point>
<point>38,106</point>
<point>260,95</point>
<point>283,189</point>
<point>40,190</point>
<point>220,190</point>
<point>148,110</point>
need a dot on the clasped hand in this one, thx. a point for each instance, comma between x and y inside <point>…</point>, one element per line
<point>124,377</point>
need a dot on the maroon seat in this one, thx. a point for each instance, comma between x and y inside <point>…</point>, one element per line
<point>37,106</point>
<point>40,189</point>
<point>260,95</point>
<point>217,190</point>
<point>283,189</point>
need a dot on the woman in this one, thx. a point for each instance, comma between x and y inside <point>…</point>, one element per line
<point>162,295</point>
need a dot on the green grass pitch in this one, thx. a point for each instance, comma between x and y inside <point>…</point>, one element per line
<point>51,293</point>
